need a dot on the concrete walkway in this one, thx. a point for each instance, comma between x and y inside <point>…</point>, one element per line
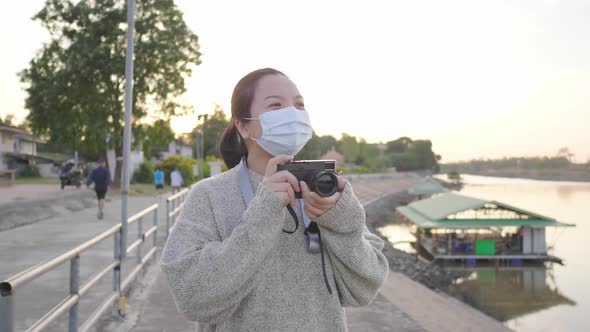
<point>402,305</point>
<point>26,246</point>
<point>20,192</point>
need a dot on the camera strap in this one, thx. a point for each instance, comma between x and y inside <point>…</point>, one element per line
<point>313,237</point>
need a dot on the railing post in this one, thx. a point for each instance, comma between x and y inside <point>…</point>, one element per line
<point>174,210</point>
<point>117,269</point>
<point>173,218</point>
<point>74,289</point>
<point>7,312</point>
<point>139,236</point>
<point>167,218</point>
<point>156,224</point>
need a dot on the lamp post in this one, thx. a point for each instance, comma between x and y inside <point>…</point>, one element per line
<point>202,161</point>
<point>127,128</point>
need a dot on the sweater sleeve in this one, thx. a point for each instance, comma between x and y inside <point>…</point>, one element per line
<point>90,178</point>
<point>209,277</point>
<point>358,264</point>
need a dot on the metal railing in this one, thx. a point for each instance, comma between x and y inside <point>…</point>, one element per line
<point>174,204</point>
<point>77,291</point>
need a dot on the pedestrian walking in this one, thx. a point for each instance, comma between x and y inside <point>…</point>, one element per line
<point>101,177</point>
<point>176,180</point>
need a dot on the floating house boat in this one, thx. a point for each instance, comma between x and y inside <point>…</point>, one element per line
<point>457,227</point>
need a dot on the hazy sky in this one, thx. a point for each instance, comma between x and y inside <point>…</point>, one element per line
<point>481,79</point>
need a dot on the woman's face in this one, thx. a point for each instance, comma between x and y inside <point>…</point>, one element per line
<point>274,92</point>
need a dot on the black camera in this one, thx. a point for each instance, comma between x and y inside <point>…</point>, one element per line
<point>319,175</point>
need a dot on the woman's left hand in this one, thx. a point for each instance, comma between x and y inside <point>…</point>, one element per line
<point>315,205</point>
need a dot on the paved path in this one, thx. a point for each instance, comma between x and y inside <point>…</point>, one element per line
<point>402,305</point>
<point>26,246</point>
<point>157,311</point>
<point>20,192</point>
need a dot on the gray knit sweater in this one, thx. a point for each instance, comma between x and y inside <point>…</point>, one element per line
<point>234,269</point>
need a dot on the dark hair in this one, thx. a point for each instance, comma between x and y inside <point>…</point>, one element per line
<point>231,145</point>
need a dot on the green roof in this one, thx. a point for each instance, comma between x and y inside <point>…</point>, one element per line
<point>428,186</point>
<point>452,210</point>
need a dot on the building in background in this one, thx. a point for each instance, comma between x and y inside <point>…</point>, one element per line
<point>178,147</point>
<point>18,147</point>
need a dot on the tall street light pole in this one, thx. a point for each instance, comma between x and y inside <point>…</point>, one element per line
<point>127,129</point>
<point>202,161</point>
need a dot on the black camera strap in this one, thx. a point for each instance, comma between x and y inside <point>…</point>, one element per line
<point>313,236</point>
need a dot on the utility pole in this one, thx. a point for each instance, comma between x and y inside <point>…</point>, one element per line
<point>127,129</point>
<point>202,156</point>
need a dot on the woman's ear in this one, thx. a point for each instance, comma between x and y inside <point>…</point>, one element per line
<point>242,129</point>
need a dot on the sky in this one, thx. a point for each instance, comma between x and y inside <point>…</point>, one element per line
<point>480,79</point>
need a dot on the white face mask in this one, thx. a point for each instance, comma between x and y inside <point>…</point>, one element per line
<point>284,131</point>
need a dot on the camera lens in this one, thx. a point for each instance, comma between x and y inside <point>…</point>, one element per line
<point>325,184</point>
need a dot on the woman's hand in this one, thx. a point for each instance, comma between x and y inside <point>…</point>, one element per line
<point>315,205</point>
<point>282,183</point>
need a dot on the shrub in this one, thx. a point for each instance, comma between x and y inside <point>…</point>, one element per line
<point>455,176</point>
<point>343,169</point>
<point>213,158</point>
<point>206,170</point>
<point>30,171</point>
<point>145,173</point>
<point>361,170</point>
<point>184,164</point>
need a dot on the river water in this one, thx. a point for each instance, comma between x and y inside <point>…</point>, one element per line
<point>549,297</point>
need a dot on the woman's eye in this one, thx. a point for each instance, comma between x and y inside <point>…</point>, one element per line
<point>275,105</point>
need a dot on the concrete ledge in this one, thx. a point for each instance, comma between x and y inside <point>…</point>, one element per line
<point>19,213</point>
<point>436,311</point>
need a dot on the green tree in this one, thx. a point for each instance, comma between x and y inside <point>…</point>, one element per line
<point>371,157</point>
<point>407,155</point>
<point>565,153</point>
<point>214,127</point>
<point>317,147</point>
<point>349,147</point>
<point>155,138</point>
<point>75,84</point>
<point>326,143</point>
<point>311,150</point>
<point>399,145</point>
<point>8,120</point>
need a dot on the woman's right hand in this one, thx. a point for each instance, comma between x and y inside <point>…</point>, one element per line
<point>282,183</point>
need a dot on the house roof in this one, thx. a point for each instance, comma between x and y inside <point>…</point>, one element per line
<point>15,130</point>
<point>427,186</point>
<point>452,210</point>
<point>21,133</point>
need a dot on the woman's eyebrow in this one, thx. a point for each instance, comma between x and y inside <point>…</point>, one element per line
<point>279,97</point>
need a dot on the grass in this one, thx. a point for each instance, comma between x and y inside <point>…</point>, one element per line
<point>37,181</point>
<point>51,155</point>
<point>146,189</point>
<point>135,190</point>
<point>142,189</point>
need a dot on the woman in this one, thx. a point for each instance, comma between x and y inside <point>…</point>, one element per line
<point>233,263</point>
